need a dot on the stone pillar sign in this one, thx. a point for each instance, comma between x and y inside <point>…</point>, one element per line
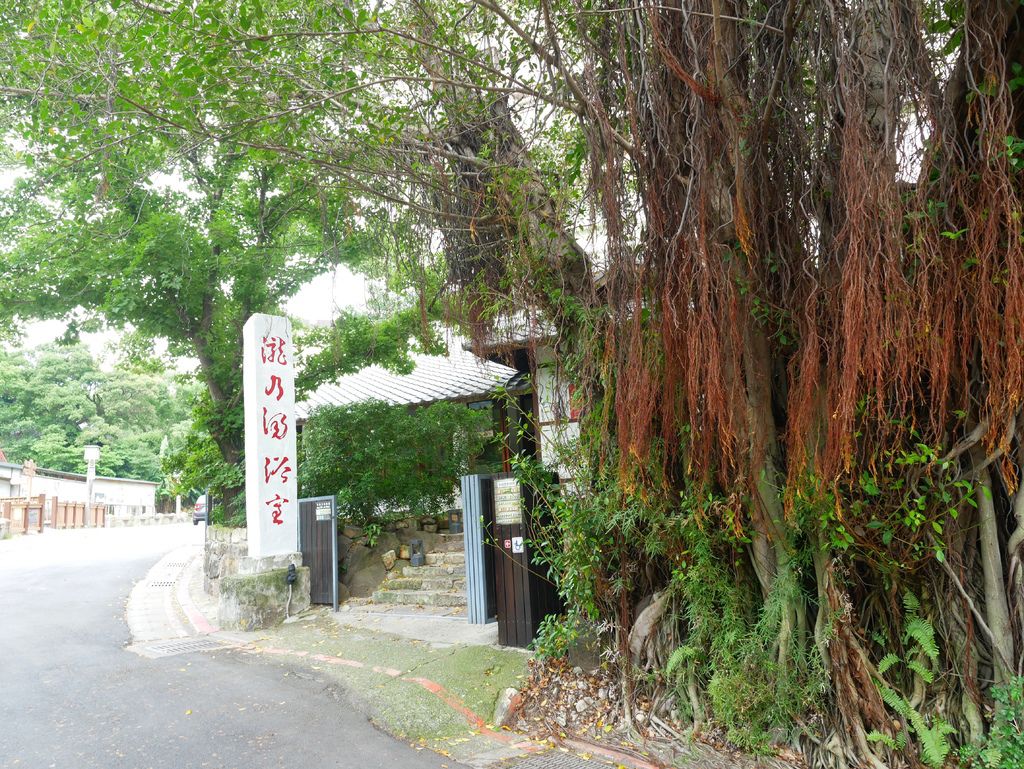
<point>268,372</point>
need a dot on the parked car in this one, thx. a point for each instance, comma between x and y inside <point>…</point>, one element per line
<point>201,511</point>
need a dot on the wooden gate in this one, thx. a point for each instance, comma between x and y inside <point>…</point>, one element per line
<point>524,594</point>
<point>318,541</point>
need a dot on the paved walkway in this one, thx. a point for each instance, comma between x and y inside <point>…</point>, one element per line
<point>427,677</point>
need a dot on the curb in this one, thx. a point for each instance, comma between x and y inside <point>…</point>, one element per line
<point>508,738</point>
<point>192,612</point>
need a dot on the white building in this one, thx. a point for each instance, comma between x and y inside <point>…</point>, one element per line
<point>122,496</point>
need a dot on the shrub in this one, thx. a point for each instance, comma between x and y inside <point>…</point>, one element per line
<point>386,461</point>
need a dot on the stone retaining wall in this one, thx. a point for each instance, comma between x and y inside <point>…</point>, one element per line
<point>148,519</point>
<point>225,548</point>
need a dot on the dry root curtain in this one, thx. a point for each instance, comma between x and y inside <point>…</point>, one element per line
<point>801,364</point>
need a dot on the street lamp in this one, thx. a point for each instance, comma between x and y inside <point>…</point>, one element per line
<point>92,454</point>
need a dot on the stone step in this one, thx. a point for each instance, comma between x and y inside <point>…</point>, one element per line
<point>447,582</point>
<point>420,597</point>
<point>449,546</point>
<point>425,572</point>
<point>446,559</point>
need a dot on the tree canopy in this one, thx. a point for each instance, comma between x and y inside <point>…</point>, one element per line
<point>56,399</point>
<point>778,248</point>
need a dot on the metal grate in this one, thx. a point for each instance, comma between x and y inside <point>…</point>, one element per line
<point>554,759</point>
<point>177,565</point>
<point>180,646</point>
<point>164,583</point>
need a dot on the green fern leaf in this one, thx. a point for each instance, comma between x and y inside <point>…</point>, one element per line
<point>910,603</point>
<point>927,675</point>
<point>887,662</point>
<point>922,632</point>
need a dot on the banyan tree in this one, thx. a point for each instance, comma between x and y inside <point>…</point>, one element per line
<point>778,246</point>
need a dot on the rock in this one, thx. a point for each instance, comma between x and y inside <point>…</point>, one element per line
<point>581,685</point>
<point>354,561</point>
<point>505,706</point>
<point>343,593</point>
<point>367,579</point>
<point>352,532</point>
<point>640,717</point>
<point>577,671</point>
<point>389,559</point>
<point>583,705</point>
<point>562,720</point>
<point>602,693</point>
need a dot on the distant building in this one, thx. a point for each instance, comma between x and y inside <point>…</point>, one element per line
<point>121,496</point>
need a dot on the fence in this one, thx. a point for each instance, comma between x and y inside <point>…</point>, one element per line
<point>25,513</point>
<point>30,514</point>
<point>75,515</point>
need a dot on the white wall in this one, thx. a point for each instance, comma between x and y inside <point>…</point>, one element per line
<point>557,430</point>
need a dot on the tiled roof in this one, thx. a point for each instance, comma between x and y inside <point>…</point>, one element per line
<point>459,376</point>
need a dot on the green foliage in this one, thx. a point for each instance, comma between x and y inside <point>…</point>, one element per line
<point>556,634</point>
<point>56,399</point>
<point>390,461</point>
<point>919,639</point>
<point>1003,747</point>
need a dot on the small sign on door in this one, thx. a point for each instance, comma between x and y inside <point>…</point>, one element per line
<point>517,544</point>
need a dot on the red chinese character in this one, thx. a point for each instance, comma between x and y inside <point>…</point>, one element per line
<point>276,504</point>
<point>275,384</point>
<point>273,350</point>
<point>282,467</point>
<point>276,427</point>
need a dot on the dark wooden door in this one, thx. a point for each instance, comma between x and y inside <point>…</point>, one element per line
<point>524,596</point>
<point>315,534</point>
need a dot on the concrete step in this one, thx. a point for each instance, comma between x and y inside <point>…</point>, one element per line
<point>447,582</point>
<point>446,559</point>
<point>450,546</point>
<point>424,572</point>
<point>420,597</point>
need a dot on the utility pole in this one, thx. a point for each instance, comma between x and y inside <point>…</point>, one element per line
<point>92,454</point>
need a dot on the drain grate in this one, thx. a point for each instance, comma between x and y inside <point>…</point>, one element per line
<point>180,646</point>
<point>177,565</point>
<point>554,759</point>
<point>164,583</point>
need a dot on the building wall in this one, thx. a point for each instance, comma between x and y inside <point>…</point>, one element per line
<point>121,495</point>
<point>557,428</point>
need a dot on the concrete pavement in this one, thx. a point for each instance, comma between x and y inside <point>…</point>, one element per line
<point>71,696</point>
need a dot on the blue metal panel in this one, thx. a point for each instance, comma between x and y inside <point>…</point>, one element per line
<point>473,538</point>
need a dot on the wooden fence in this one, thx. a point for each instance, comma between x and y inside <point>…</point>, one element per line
<point>75,515</point>
<point>30,514</point>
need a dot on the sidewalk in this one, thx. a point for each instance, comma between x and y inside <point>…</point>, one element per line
<point>432,681</point>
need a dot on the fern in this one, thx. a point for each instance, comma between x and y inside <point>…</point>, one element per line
<point>887,662</point>
<point>910,603</point>
<point>926,674</point>
<point>921,632</point>
<point>893,743</point>
<point>920,636</point>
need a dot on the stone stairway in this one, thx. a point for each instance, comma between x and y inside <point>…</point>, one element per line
<point>441,583</point>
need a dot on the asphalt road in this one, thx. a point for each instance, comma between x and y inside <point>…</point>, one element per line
<point>72,697</point>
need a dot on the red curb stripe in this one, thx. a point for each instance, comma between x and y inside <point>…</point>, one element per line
<point>433,687</point>
<point>192,613</point>
<point>458,706</point>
